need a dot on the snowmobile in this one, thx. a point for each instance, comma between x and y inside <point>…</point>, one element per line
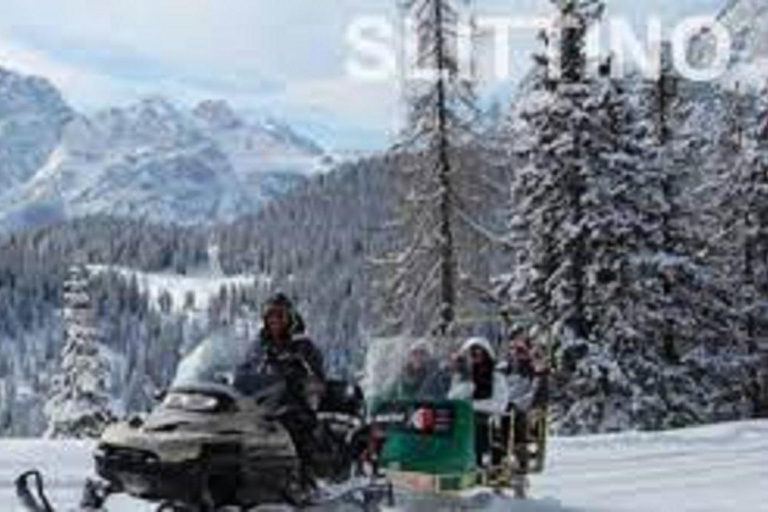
<point>426,442</point>
<point>220,440</point>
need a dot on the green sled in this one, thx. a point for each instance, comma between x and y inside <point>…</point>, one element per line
<point>438,458</point>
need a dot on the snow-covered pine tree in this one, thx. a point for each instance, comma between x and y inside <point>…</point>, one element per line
<point>698,327</point>
<point>629,302</point>
<point>614,386</point>
<point>431,276</point>
<point>593,220</point>
<point>662,97</point>
<point>554,211</point>
<point>744,211</point>
<point>740,189</point>
<point>79,403</point>
<point>548,230</point>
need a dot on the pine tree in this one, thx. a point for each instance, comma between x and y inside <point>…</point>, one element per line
<point>674,243</point>
<point>445,187</point>
<point>555,208</point>
<point>79,403</point>
<point>605,260</point>
<point>548,223</point>
<point>699,323</point>
<point>623,213</point>
<point>740,206</point>
<point>744,204</point>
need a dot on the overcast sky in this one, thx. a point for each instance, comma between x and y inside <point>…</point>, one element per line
<point>286,57</point>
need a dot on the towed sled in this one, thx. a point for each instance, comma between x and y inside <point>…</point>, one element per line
<point>428,446</point>
<point>224,440</point>
<point>428,443</point>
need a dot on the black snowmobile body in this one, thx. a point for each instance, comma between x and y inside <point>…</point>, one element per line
<point>211,446</point>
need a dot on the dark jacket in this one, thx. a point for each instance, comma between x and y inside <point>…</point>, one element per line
<point>298,358</point>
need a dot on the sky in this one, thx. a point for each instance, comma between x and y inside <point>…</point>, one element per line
<point>283,58</point>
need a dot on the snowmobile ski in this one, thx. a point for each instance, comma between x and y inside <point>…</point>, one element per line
<point>32,497</point>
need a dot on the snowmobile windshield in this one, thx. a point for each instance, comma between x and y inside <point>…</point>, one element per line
<point>214,361</point>
<point>408,369</point>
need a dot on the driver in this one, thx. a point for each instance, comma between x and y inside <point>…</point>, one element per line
<point>285,350</point>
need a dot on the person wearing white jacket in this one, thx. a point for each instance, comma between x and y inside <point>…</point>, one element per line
<point>475,378</point>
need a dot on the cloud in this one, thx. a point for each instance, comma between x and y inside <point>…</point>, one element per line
<point>348,98</point>
<point>285,55</point>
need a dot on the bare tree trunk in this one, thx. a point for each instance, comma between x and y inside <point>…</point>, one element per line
<point>669,349</point>
<point>448,261</point>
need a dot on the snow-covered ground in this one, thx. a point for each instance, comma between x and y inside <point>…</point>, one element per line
<point>712,469</point>
<point>204,285</point>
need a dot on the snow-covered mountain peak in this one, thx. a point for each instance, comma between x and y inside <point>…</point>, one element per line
<point>286,134</point>
<point>32,116</point>
<point>152,122</point>
<point>217,115</point>
<point>152,158</point>
<point>20,94</point>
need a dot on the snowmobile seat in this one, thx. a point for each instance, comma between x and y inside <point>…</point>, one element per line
<point>342,397</point>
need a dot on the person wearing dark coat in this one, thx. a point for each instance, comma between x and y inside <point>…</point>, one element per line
<point>283,346</point>
<point>284,349</point>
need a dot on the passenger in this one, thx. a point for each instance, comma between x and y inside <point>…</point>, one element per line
<point>476,378</point>
<point>420,376</point>
<point>520,374</point>
<point>525,369</point>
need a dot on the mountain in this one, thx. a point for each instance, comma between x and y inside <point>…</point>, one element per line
<point>32,118</point>
<point>151,160</point>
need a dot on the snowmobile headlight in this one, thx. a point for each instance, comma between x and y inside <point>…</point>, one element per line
<point>191,402</point>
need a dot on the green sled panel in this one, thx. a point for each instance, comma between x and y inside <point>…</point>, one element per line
<point>446,449</point>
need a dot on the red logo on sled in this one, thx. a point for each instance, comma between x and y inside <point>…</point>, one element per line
<point>423,420</point>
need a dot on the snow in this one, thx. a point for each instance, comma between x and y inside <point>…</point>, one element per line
<point>718,468</point>
<point>204,286</point>
<point>709,469</point>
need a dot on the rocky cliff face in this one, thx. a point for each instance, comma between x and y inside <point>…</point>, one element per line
<point>152,159</point>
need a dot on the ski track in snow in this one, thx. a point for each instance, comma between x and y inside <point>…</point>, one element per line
<point>719,468</point>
